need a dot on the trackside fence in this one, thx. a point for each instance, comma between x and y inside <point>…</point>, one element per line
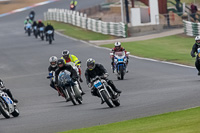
<point>81,20</point>
<point>191,29</point>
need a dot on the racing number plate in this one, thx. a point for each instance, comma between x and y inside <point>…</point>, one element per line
<point>97,84</point>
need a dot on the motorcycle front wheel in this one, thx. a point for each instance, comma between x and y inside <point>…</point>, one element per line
<point>4,109</point>
<point>107,99</point>
<point>71,95</point>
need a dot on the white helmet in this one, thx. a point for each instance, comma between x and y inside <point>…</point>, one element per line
<point>117,44</point>
<point>65,53</point>
<point>53,61</point>
<point>197,38</point>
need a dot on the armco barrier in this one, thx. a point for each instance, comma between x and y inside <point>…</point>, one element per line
<point>81,20</point>
<point>191,29</point>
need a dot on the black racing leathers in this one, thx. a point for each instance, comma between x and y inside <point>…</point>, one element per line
<point>99,70</point>
<point>40,24</point>
<point>34,24</point>
<point>50,69</point>
<point>69,68</point>
<point>194,49</point>
<point>49,27</point>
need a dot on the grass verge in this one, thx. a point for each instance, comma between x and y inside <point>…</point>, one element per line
<point>79,33</point>
<point>186,121</point>
<point>174,48</point>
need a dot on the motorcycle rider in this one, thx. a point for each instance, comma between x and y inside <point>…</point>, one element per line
<point>67,57</point>
<point>39,25</point>
<point>52,68</point>
<point>32,15</point>
<point>118,48</point>
<point>7,91</point>
<point>33,25</point>
<point>26,22</point>
<point>73,4</point>
<point>62,66</point>
<point>49,27</point>
<point>194,49</point>
<point>96,69</point>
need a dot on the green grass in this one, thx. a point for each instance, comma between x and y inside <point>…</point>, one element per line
<point>175,48</point>
<point>79,33</point>
<point>186,121</point>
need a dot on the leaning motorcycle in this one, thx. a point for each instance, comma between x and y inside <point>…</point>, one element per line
<point>69,89</point>
<point>41,32</point>
<point>28,28</point>
<point>105,92</point>
<point>7,106</point>
<point>120,63</point>
<point>49,36</point>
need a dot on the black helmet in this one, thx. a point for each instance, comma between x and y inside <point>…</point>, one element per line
<point>1,84</point>
<point>60,61</point>
<point>90,64</point>
<point>48,23</point>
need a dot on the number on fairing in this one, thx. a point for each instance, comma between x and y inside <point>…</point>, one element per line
<point>120,60</point>
<point>49,31</point>
<point>97,84</point>
<point>7,99</point>
<point>41,28</point>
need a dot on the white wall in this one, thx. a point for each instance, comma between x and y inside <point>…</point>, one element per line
<point>137,18</point>
<point>154,12</point>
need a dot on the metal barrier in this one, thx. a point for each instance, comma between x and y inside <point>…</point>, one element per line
<point>191,29</point>
<point>81,20</point>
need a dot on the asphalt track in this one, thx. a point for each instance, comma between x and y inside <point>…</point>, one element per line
<point>149,88</point>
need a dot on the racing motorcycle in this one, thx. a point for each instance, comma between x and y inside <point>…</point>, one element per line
<point>35,31</point>
<point>49,36</point>
<point>69,89</point>
<point>105,92</point>
<point>120,63</point>
<point>7,106</point>
<point>28,28</point>
<point>41,32</point>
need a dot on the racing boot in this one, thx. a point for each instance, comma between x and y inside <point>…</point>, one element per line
<point>198,74</point>
<point>80,80</point>
<point>114,87</point>
<point>15,100</point>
